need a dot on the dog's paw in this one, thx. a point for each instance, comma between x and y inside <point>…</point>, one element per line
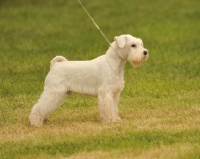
<point>118,119</point>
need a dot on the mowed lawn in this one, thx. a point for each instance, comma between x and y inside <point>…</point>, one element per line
<point>159,106</point>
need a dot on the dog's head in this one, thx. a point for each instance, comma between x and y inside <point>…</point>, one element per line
<point>131,49</point>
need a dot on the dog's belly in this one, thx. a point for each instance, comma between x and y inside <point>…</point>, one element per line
<point>84,90</point>
<point>83,82</point>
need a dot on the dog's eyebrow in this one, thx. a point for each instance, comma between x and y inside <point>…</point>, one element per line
<point>141,43</point>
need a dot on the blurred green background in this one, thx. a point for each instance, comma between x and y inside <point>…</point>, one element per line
<point>163,92</point>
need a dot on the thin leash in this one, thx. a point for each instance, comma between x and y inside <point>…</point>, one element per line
<point>94,23</point>
<point>98,29</point>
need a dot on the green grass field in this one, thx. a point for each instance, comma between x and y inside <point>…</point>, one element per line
<point>160,104</point>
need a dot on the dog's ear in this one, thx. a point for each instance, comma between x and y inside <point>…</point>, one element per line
<point>121,40</point>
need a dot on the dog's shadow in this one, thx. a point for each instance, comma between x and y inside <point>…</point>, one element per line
<point>73,118</point>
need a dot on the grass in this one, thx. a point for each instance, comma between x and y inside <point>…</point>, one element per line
<point>159,107</point>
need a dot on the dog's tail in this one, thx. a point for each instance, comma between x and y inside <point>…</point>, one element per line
<point>57,59</point>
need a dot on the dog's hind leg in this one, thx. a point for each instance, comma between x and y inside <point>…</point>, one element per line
<point>107,106</point>
<point>47,103</point>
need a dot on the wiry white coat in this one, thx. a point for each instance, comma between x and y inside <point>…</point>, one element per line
<point>101,77</point>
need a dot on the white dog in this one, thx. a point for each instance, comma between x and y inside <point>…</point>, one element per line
<point>101,77</point>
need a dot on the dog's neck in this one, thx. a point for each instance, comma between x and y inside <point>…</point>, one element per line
<point>116,49</point>
<point>114,60</point>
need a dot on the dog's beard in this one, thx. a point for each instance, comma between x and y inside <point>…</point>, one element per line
<point>136,63</point>
<point>136,59</point>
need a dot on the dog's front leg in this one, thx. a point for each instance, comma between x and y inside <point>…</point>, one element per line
<point>116,100</point>
<point>107,106</point>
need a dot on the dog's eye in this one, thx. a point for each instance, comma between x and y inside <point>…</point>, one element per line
<point>133,45</point>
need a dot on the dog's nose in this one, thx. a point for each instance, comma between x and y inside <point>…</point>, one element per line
<point>145,52</point>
